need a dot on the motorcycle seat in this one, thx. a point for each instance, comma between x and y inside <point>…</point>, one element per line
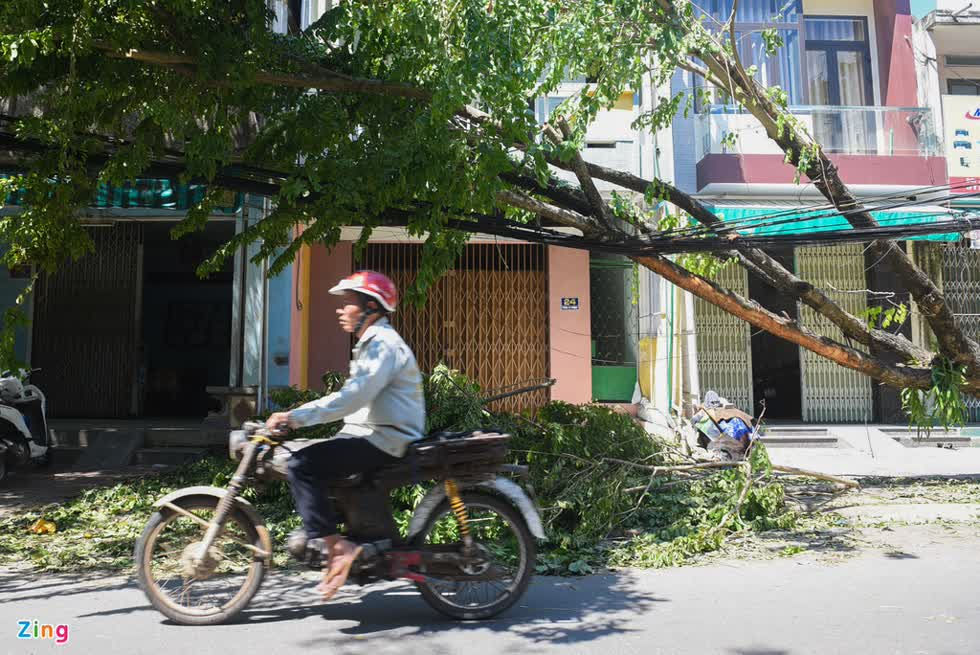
<point>434,457</point>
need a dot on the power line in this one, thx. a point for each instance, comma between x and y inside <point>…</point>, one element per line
<point>805,214</point>
<point>666,243</point>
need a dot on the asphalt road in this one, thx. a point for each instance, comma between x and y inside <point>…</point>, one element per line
<point>923,598</point>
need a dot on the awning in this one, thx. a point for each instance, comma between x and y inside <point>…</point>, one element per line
<point>782,219</point>
<point>150,194</point>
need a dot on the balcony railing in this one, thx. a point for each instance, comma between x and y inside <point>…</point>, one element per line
<point>865,131</point>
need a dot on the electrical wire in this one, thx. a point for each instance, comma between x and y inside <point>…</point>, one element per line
<point>808,214</point>
<point>663,244</point>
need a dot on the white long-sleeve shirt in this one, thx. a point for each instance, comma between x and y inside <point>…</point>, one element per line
<point>382,399</point>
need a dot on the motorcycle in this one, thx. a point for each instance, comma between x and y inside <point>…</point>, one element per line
<point>469,548</point>
<point>23,423</point>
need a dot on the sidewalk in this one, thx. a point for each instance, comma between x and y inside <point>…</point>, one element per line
<point>864,451</point>
<point>33,487</point>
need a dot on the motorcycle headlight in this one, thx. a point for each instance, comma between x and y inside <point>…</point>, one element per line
<point>10,389</point>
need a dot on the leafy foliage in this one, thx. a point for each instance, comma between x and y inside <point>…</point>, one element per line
<point>452,401</point>
<point>594,515</point>
<point>97,530</point>
<point>193,77</point>
<point>942,404</point>
<point>888,316</point>
<point>704,264</point>
<point>12,319</point>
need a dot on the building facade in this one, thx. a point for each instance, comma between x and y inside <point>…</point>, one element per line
<point>131,330</point>
<point>509,314</point>
<point>947,54</point>
<point>849,72</point>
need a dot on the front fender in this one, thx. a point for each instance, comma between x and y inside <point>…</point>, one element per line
<point>217,492</point>
<point>509,489</point>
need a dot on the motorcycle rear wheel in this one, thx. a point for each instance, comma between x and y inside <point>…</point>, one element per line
<point>159,562</point>
<point>501,531</point>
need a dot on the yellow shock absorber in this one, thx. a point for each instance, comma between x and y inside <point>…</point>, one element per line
<point>459,509</point>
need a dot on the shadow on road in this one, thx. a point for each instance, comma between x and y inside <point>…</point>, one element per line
<point>554,610</point>
<point>30,585</point>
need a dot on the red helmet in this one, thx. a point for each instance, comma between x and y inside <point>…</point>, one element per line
<point>371,283</point>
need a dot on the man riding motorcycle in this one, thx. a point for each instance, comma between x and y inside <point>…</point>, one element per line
<point>383,410</point>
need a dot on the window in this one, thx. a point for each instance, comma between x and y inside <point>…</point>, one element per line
<point>963,87</point>
<point>824,60</point>
<point>963,60</point>
<point>838,69</point>
<point>836,29</point>
<point>756,11</point>
<point>780,69</point>
<point>838,61</point>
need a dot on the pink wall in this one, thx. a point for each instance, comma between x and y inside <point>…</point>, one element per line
<point>329,345</point>
<point>854,169</point>
<point>896,62</point>
<point>570,332</point>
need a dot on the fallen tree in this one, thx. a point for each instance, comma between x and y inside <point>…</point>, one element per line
<point>415,113</point>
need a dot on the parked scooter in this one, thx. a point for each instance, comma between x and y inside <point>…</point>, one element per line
<point>23,423</point>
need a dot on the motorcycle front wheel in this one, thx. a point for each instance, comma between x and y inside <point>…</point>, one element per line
<point>509,550</point>
<point>189,592</point>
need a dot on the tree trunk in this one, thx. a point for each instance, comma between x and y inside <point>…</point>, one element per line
<point>784,328</point>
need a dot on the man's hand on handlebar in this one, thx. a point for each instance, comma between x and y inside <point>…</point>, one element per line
<point>278,423</point>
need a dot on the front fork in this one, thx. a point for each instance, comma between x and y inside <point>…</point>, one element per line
<point>227,501</point>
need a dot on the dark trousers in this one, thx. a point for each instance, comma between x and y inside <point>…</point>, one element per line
<point>312,468</point>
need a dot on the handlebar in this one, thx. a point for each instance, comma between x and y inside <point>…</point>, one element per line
<point>256,428</point>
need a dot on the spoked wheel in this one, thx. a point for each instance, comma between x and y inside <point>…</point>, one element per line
<point>195,591</point>
<point>506,563</point>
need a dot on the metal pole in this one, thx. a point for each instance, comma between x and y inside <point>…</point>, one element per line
<point>242,304</point>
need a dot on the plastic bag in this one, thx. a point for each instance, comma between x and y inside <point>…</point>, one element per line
<point>736,429</point>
